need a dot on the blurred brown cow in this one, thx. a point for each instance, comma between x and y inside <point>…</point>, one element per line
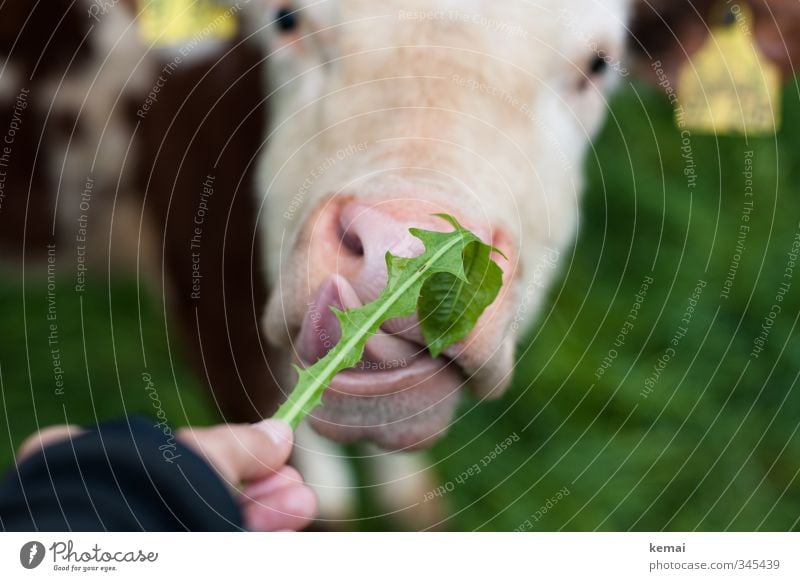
<point>86,80</point>
<point>673,30</point>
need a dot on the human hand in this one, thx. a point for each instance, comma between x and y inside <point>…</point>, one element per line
<point>251,459</point>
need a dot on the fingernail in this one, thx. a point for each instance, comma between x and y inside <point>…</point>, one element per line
<point>278,431</point>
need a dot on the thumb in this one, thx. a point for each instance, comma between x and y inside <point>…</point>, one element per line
<point>243,452</point>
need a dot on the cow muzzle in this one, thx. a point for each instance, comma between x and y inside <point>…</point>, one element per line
<point>397,395</point>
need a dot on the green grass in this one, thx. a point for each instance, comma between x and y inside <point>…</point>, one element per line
<point>715,445</point>
<point>102,350</point>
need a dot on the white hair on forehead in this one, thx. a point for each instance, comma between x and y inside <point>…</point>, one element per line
<point>483,20</point>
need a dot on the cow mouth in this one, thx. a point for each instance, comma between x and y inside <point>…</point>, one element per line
<point>397,395</point>
<point>377,379</point>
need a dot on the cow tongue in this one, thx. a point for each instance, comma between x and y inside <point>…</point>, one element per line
<point>321,331</point>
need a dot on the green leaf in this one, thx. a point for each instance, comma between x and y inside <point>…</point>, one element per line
<point>450,306</point>
<point>459,255</point>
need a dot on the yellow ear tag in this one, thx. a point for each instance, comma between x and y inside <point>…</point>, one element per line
<point>176,22</point>
<point>729,86</point>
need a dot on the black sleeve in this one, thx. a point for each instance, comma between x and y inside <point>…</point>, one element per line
<point>130,475</point>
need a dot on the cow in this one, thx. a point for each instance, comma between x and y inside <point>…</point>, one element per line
<point>101,157</point>
<point>387,113</point>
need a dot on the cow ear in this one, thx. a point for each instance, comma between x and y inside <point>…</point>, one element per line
<point>671,31</point>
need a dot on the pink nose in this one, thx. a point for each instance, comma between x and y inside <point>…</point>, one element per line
<point>348,243</point>
<point>362,234</point>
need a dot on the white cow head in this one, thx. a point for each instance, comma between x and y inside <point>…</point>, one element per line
<point>385,113</point>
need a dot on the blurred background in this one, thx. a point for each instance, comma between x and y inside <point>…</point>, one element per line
<point>607,434</point>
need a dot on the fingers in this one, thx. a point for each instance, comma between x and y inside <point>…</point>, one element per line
<point>46,437</point>
<point>281,502</point>
<point>275,498</point>
<point>243,452</point>
<point>283,478</point>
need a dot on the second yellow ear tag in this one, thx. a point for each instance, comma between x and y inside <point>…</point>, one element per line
<point>729,86</point>
<point>173,22</point>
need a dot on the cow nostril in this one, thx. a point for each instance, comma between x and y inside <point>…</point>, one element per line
<point>351,242</point>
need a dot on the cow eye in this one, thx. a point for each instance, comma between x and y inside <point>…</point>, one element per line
<point>286,19</point>
<point>597,66</point>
